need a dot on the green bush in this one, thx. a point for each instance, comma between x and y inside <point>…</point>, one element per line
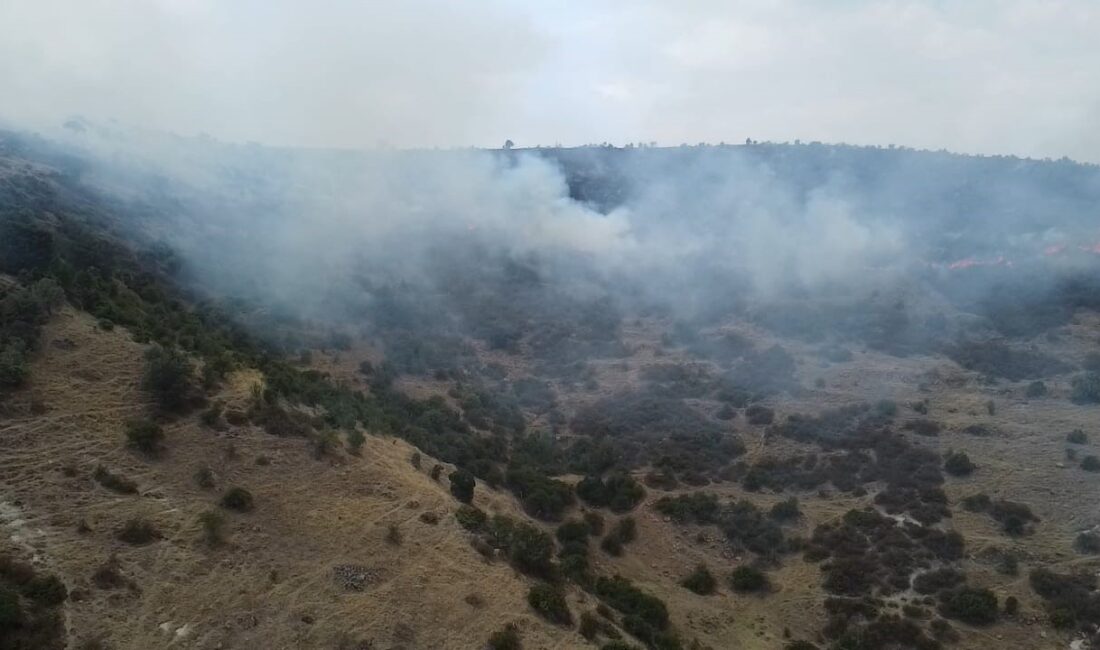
<point>748,579</point>
<point>14,370</point>
<point>1090,463</point>
<point>1036,389</point>
<point>237,499</point>
<point>471,518</point>
<point>1085,388</point>
<point>506,638</point>
<point>1077,437</point>
<point>168,377</point>
<point>138,532</point>
<point>114,482</point>
<point>631,601</point>
<point>549,603</point>
<point>701,581</point>
<point>145,436</point>
<point>969,605</point>
<point>213,527</point>
<point>462,485</point>
<point>957,463</point>
<point>11,612</point>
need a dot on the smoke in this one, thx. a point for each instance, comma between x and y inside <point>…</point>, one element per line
<point>700,231</point>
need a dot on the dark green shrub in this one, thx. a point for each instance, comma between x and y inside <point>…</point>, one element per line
<point>237,499</point>
<point>114,482</point>
<point>785,510</point>
<point>46,590</point>
<point>957,463</point>
<point>1085,388</point>
<point>549,603</point>
<point>213,527</point>
<point>1077,437</point>
<point>471,518</point>
<point>1036,389</point>
<point>506,638</point>
<point>970,605</point>
<point>1090,463</point>
<point>746,578</point>
<point>1088,543</point>
<point>619,492</point>
<point>11,612</point>
<point>138,532</point>
<point>759,415</point>
<point>144,435</point>
<point>701,581</point>
<point>462,485</point>
<point>631,601</point>
<point>168,377</point>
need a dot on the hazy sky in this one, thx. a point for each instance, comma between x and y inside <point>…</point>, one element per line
<point>1007,76</point>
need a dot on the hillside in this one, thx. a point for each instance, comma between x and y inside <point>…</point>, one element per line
<point>900,461</point>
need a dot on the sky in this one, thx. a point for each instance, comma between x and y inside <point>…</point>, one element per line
<point>982,76</point>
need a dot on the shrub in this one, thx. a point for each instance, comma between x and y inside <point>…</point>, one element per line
<point>1088,543</point>
<point>506,638</point>
<point>114,482</point>
<point>549,603</point>
<point>471,518</point>
<point>748,579</point>
<point>11,612</point>
<point>1077,437</point>
<point>785,510</point>
<point>756,414</point>
<point>144,435</point>
<point>415,459</point>
<point>211,417</point>
<point>167,377</point>
<point>697,507</point>
<point>462,485</point>
<point>46,590</point>
<point>213,527</point>
<point>1036,389</point>
<point>701,581</point>
<point>204,478</point>
<point>1090,463</point>
<point>237,499</point>
<point>1085,388</point>
<point>970,605</point>
<point>957,463</point>
<point>620,492</point>
<point>624,532</point>
<point>355,441</point>
<point>437,471</point>
<point>1012,606</point>
<point>923,427</point>
<point>138,532</point>
<point>393,535</point>
<point>14,370</point>
<point>631,601</point>
<point>531,550</point>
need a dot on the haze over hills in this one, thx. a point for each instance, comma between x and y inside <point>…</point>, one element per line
<point>753,396</point>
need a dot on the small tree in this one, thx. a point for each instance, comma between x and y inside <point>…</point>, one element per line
<point>462,485</point>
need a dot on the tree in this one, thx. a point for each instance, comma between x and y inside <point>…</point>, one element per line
<point>462,485</point>
<point>508,144</point>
